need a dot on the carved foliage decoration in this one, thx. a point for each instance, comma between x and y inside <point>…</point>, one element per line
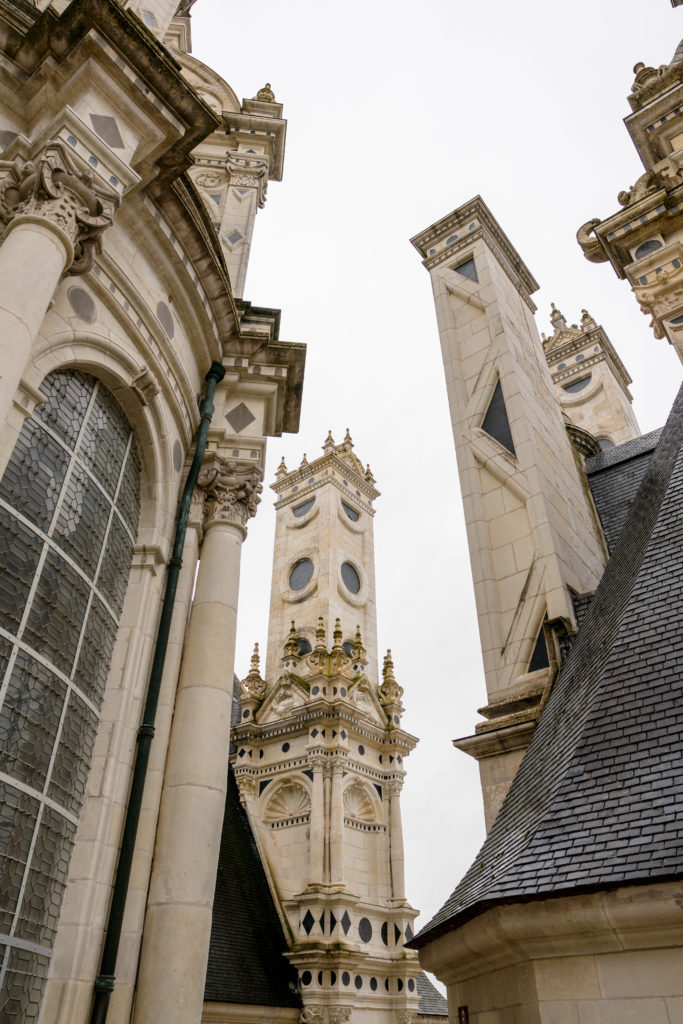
<point>232,490</point>
<point>52,188</point>
<point>290,800</point>
<point>358,803</point>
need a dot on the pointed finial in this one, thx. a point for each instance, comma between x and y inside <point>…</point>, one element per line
<point>368,475</point>
<point>337,636</point>
<point>347,439</point>
<point>390,692</point>
<point>281,469</point>
<point>266,94</point>
<point>388,667</point>
<point>291,643</point>
<point>587,320</point>
<point>252,685</point>
<point>320,635</point>
<point>328,445</point>
<point>359,651</point>
<point>556,317</point>
<point>304,462</point>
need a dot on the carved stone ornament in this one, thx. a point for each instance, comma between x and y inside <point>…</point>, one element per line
<point>52,188</point>
<point>249,173</point>
<point>311,1015</point>
<point>232,490</point>
<point>339,1015</point>
<point>405,1017</point>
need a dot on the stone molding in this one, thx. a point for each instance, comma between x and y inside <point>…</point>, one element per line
<point>50,188</point>
<point>230,490</point>
<point>249,173</point>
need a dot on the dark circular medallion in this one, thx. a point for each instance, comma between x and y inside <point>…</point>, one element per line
<point>301,574</point>
<point>306,978</point>
<point>350,577</point>
<point>365,929</point>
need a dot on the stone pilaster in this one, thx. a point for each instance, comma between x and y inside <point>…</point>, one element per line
<point>396,839</point>
<point>178,925</point>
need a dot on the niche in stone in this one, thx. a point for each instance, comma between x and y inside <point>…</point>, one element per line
<point>468,269</point>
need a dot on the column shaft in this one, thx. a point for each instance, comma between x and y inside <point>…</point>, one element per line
<point>317,831</point>
<point>396,843</point>
<point>32,259</point>
<point>337,827</point>
<point>175,945</point>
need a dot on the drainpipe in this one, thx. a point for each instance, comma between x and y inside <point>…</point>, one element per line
<point>104,983</point>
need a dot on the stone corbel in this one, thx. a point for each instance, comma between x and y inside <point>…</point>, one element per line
<point>52,189</point>
<point>249,172</point>
<point>231,490</point>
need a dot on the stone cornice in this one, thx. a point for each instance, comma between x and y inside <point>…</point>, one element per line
<point>328,461</point>
<point>487,228</point>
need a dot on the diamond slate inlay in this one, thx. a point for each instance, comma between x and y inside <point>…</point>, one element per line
<point>333,922</point>
<point>108,130</point>
<point>308,922</point>
<point>240,417</point>
<point>346,922</point>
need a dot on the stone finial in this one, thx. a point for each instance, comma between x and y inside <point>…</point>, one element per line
<point>359,651</point>
<point>347,439</point>
<point>320,636</point>
<point>232,490</point>
<point>390,692</point>
<point>328,445</point>
<point>556,318</point>
<point>282,468</point>
<point>304,462</point>
<point>266,94</point>
<point>291,643</point>
<point>368,475</point>
<point>587,321</point>
<point>54,189</point>
<point>253,686</point>
<point>337,636</point>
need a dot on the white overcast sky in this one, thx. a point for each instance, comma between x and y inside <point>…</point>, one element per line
<point>398,113</point>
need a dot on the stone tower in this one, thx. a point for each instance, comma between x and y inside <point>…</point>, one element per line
<point>319,752</point>
<point>533,534</point>
<point>643,239</point>
<point>591,382</point>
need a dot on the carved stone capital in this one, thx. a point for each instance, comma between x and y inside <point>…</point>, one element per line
<point>51,188</point>
<point>339,1014</point>
<point>311,1015</point>
<point>395,786</point>
<point>231,490</point>
<point>249,173</point>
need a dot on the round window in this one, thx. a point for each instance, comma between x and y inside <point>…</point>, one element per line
<point>301,510</point>
<point>350,577</point>
<point>304,647</point>
<point>351,512</point>
<point>301,574</point>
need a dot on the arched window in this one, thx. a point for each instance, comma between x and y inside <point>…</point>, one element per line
<point>646,248</point>
<point>69,507</point>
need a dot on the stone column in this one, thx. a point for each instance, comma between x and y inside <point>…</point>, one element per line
<point>175,944</point>
<point>52,218</point>
<point>337,824</point>
<point>396,840</point>
<point>317,831</point>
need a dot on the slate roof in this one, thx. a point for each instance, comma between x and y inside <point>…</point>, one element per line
<point>246,961</point>
<point>598,799</point>
<point>615,476</point>
<point>432,1003</point>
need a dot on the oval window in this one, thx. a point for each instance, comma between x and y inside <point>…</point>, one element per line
<point>304,646</point>
<point>578,385</point>
<point>351,512</point>
<point>605,443</point>
<point>301,574</point>
<point>350,577</point>
<point>646,248</point>
<point>301,510</point>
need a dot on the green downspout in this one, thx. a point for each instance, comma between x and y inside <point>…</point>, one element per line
<point>104,984</point>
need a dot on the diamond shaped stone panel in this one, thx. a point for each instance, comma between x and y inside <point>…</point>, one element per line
<point>240,417</point>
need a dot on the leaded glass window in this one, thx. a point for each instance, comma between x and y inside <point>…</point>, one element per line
<point>69,508</point>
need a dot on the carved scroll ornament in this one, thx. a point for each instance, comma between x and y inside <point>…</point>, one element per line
<point>232,490</point>
<point>51,188</point>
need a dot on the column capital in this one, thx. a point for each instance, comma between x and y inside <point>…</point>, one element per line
<point>50,189</point>
<point>230,490</point>
<point>395,786</point>
<point>249,172</point>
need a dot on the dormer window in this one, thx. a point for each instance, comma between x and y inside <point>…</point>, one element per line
<point>578,385</point>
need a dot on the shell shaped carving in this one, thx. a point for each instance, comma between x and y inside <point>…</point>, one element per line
<point>290,800</point>
<point>358,803</point>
